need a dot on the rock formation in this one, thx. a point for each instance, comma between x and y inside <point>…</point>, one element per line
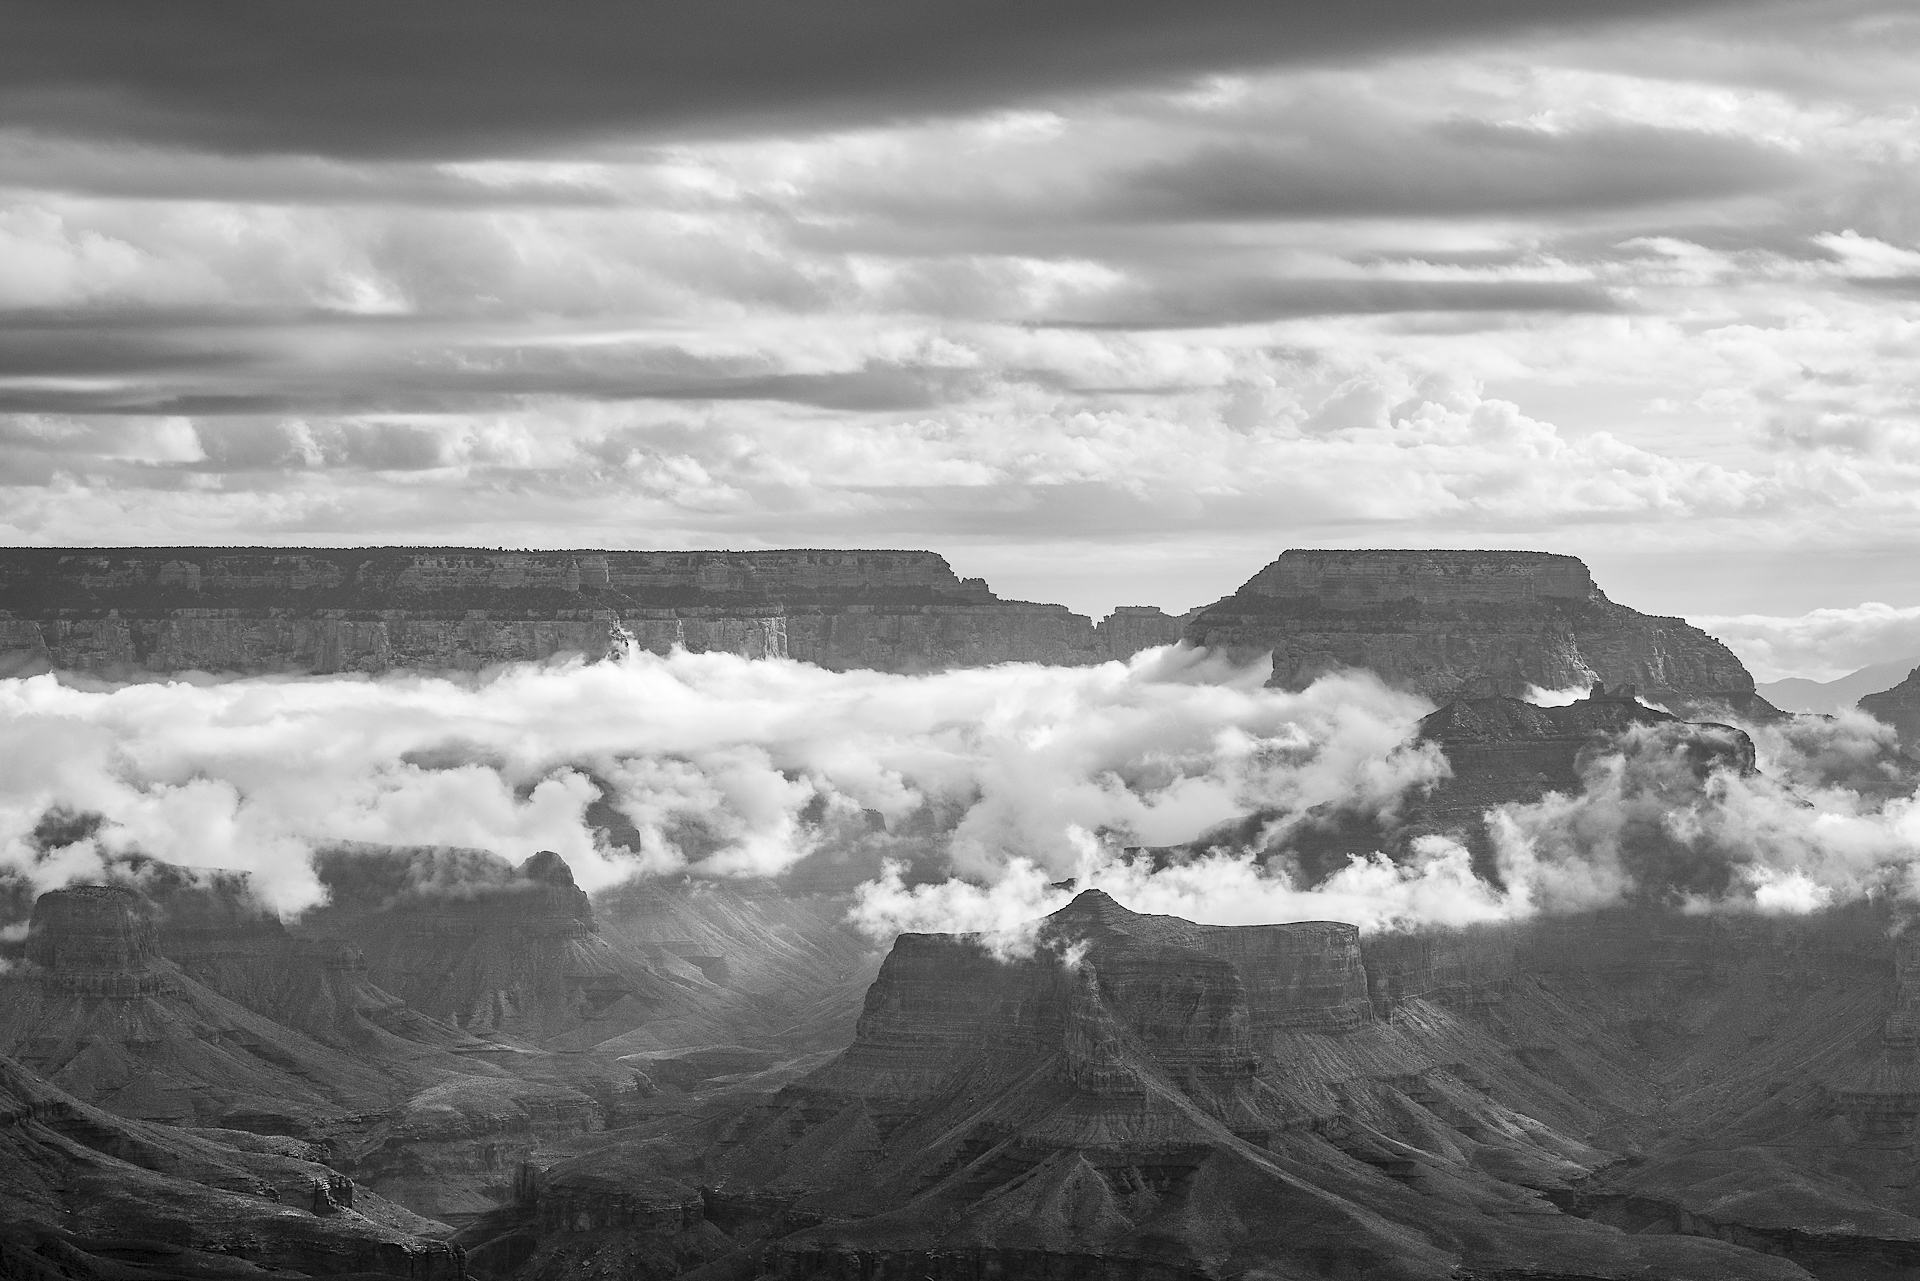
<point>127,611</point>
<point>1900,708</point>
<point>1111,1094</point>
<point>1446,624</point>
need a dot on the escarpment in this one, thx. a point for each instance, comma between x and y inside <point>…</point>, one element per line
<point>1449,624</point>
<point>126,611</point>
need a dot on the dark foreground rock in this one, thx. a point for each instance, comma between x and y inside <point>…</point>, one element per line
<point>90,1194</point>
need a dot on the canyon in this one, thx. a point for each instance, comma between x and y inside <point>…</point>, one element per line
<point>464,1065</point>
<point>459,1064</point>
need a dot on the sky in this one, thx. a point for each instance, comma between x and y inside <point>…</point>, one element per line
<point>1107,303</point>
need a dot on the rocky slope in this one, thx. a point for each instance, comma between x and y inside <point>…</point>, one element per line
<point>1583,1098</point>
<point>1447,624</point>
<point>90,1194</point>
<point>127,611</point>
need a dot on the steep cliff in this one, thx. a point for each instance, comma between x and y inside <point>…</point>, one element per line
<point>131,610</point>
<point>1446,623</point>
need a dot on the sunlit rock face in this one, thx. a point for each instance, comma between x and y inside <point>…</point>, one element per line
<point>1446,624</point>
<point>126,611</point>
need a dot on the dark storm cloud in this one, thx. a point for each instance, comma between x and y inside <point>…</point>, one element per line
<point>1252,302</point>
<point>436,78</point>
<point>1450,169</point>
<point>209,364</point>
<point>1892,286</point>
<point>29,163</point>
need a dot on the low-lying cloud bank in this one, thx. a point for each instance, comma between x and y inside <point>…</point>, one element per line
<point>1666,814</point>
<point>710,764</point>
<point>962,800</point>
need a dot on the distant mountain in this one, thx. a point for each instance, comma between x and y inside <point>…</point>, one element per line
<point>1799,695</point>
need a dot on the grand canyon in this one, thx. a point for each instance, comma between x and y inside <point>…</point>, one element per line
<point>1599,1037</point>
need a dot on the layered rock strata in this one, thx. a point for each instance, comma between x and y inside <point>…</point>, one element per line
<point>132,610</point>
<point>1446,624</point>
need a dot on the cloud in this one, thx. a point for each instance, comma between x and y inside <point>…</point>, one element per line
<point>705,763</point>
<point>1455,168</point>
<point>483,80</point>
<point>1665,815</point>
<point>1823,644</point>
<point>1655,822</point>
<point>1475,277</point>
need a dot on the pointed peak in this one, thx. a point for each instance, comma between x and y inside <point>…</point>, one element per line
<point>548,868</point>
<point>1097,904</point>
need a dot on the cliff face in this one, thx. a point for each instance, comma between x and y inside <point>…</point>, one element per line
<point>1450,623</point>
<point>134,610</point>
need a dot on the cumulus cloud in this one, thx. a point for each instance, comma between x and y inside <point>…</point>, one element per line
<point>971,800</point>
<point>705,763</point>
<point>1669,815</point>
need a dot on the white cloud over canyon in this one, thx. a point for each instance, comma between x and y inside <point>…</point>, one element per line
<point>970,799</point>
